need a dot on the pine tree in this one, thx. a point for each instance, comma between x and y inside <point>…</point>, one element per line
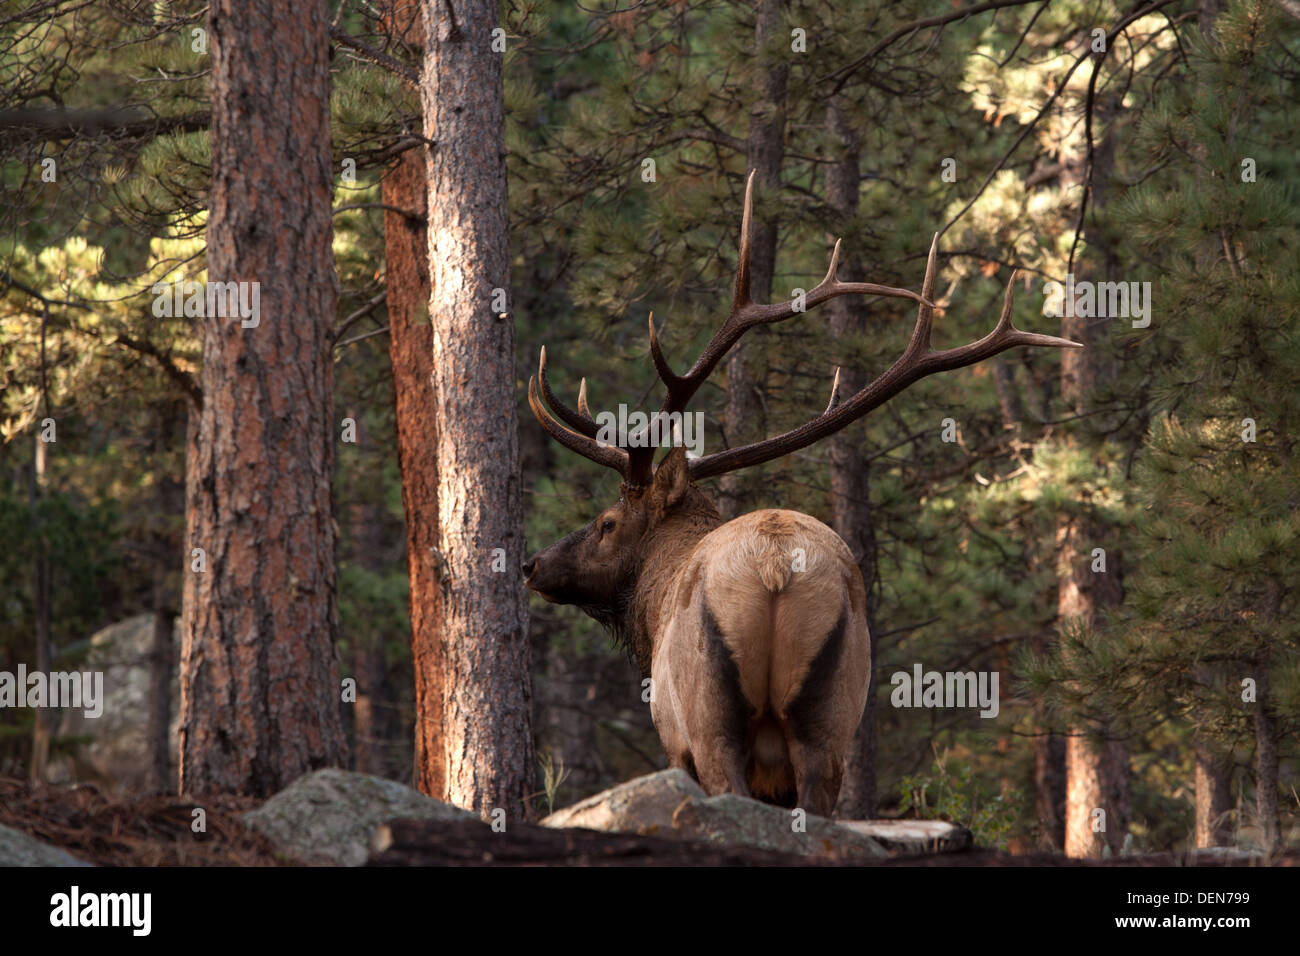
<point>1210,640</point>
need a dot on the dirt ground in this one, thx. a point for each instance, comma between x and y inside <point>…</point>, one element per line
<point>135,831</point>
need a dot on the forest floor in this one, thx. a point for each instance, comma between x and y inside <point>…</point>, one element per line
<point>155,830</point>
<point>152,830</point>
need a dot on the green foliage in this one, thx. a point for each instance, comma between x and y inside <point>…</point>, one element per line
<point>956,794</point>
<point>1212,590</point>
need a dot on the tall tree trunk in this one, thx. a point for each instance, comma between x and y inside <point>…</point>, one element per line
<point>1266,734</point>
<point>1049,748</point>
<point>375,723</point>
<point>1266,767</point>
<point>851,516</point>
<point>1096,773</point>
<point>1049,784</point>
<point>167,541</point>
<point>764,152</point>
<point>373,717</point>
<point>1213,765</point>
<point>158,723</point>
<point>481,693</point>
<point>260,688</point>
<point>1213,794</point>
<point>42,717</point>
<point>410,349</point>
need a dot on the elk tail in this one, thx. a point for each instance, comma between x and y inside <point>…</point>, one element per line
<point>775,556</point>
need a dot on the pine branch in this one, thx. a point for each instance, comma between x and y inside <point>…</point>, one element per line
<point>178,375</point>
<point>378,57</point>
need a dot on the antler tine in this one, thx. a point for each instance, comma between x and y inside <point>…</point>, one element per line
<point>580,420</point>
<point>1010,333</point>
<point>670,379</point>
<point>1008,300</point>
<point>583,408</point>
<point>742,296</point>
<point>835,391</point>
<point>920,341</point>
<point>834,266</point>
<point>587,447</point>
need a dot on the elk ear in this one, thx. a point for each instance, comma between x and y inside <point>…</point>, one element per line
<point>672,478</point>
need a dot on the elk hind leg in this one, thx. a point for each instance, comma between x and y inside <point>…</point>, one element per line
<point>818,775</point>
<point>818,770</point>
<point>722,717</point>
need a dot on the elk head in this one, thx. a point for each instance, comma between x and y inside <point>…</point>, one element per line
<point>597,566</point>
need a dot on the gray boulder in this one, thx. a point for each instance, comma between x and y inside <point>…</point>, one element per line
<point>671,804</point>
<point>330,816</point>
<point>19,849</point>
<point>644,805</point>
<point>116,755</point>
<point>739,821</point>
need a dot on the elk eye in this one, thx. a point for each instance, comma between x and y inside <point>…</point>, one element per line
<point>607,526</point>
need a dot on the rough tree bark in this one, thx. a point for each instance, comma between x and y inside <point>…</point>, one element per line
<point>850,487</point>
<point>260,689</point>
<point>764,151</point>
<point>481,693</point>
<point>410,348</point>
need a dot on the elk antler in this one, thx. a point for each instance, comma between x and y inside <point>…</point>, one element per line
<point>577,430</point>
<point>916,362</point>
<point>583,441</point>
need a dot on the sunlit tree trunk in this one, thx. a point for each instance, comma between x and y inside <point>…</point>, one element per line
<point>410,349</point>
<point>480,694</point>
<point>260,690</point>
<point>1213,794</point>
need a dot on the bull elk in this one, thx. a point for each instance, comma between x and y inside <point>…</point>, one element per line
<point>753,631</point>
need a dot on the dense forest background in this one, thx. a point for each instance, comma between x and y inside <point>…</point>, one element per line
<point>1115,535</point>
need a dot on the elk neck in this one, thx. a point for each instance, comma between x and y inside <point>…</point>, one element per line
<point>667,550</point>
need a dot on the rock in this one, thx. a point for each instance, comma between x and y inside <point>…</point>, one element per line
<point>117,756</point>
<point>739,821</point>
<point>19,849</point>
<point>913,836</point>
<point>438,843</point>
<point>670,804</point>
<point>329,816</point>
<point>644,805</point>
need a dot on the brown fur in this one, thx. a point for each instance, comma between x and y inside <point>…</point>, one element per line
<point>756,625</point>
